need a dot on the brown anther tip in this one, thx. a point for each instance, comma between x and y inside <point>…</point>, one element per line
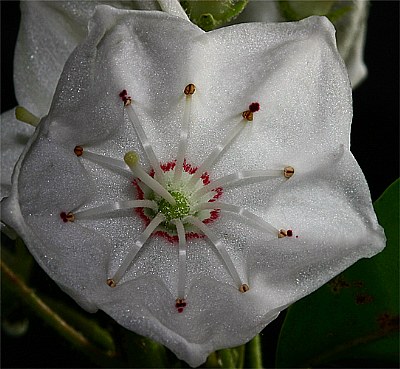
<point>111,282</point>
<point>282,233</point>
<point>67,217</point>
<point>189,89</point>
<point>288,171</point>
<point>78,150</point>
<point>248,115</point>
<point>127,101</point>
<point>70,217</point>
<point>244,288</point>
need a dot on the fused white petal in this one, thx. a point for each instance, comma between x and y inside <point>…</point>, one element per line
<point>258,97</point>
<point>49,31</point>
<point>14,137</point>
<point>351,30</point>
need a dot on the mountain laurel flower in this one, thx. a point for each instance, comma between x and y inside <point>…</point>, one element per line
<point>192,185</point>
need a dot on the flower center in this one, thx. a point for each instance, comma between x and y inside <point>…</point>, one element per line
<point>177,200</point>
<point>177,211</point>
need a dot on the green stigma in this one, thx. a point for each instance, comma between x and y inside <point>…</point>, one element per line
<point>178,211</point>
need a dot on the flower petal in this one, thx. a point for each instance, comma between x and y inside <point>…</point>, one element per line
<point>14,136</point>
<point>351,30</point>
<point>295,73</point>
<point>49,31</point>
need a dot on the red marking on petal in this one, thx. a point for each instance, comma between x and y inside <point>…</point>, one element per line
<point>297,236</point>
<point>63,216</point>
<point>188,168</point>
<point>289,233</point>
<point>123,93</point>
<point>168,166</point>
<point>214,215</point>
<point>253,107</point>
<point>206,178</point>
<point>180,310</point>
<point>219,191</point>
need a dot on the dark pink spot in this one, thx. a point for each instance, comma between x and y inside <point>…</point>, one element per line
<point>124,96</point>
<point>63,216</point>
<point>253,107</point>
<point>289,233</point>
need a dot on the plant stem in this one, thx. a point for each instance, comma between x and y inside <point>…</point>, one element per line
<point>254,353</point>
<point>36,304</point>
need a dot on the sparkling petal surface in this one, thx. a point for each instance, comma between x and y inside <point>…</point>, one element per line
<point>351,31</point>
<point>14,137</point>
<point>294,72</point>
<point>49,32</point>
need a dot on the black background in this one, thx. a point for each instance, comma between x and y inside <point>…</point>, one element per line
<point>374,143</point>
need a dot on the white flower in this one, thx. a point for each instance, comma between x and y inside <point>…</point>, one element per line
<point>49,32</point>
<point>263,111</point>
<point>351,27</point>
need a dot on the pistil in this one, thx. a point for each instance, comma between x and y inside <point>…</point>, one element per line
<point>132,160</point>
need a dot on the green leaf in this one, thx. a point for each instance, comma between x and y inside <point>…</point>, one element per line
<point>209,14</point>
<point>352,320</point>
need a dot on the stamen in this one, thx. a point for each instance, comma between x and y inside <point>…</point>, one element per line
<point>288,171</point>
<point>236,177</point>
<point>145,143</point>
<point>219,246</point>
<point>282,233</point>
<point>248,114</point>
<point>212,158</point>
<point>67,217</point>
<point>119,205</point>
<point>132,160</point>
<point>244,288</point>
<point>285,233</point>
<point>23,115</point>
<point>111,163</point>
<point>111,282</point>
<point>125,98</point>
<point>182,257</point>
<point>159,218</point>
<point>189,91</point>
<point>78,150</point>
<point>180,304</point>
<point>255,220</point>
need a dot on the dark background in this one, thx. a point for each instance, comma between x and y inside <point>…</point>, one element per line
<point>374,138</point>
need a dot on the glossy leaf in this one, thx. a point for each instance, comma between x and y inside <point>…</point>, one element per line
<point>352,320</point>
